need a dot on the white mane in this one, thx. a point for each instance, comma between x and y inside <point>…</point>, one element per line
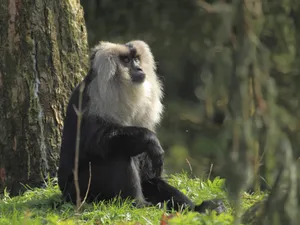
<point>113,95</point>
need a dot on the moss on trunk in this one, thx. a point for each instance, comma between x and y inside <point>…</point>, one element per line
<point>43,54</point>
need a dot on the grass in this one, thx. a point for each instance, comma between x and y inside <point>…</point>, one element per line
<point>37,206</point>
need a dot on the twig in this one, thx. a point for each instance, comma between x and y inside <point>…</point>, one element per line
<point>210,171</point>
<point>188,162</point>
<point>88,188</point>
<point>79,113</point>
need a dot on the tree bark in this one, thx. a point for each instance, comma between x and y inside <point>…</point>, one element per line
<point>43,54</point>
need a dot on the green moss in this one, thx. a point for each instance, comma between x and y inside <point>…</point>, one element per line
<point>29,41</point>
<point>11,70</point>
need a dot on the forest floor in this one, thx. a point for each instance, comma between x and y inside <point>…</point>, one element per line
<point>41,206</point>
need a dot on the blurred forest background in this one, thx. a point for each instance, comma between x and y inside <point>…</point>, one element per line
<point>238,58</point>
<point>194,43</point>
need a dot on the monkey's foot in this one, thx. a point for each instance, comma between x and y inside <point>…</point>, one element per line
<point>214,204</point>
<point>141,204</point>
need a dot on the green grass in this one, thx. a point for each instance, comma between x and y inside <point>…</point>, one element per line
<point>35,206</point>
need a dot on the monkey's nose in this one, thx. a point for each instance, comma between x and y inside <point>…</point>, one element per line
<point>138,76</point>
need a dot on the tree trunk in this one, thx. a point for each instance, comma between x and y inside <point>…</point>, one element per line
<point>43,54</point>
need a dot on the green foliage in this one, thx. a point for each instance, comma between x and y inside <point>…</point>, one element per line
<point>43,206</point>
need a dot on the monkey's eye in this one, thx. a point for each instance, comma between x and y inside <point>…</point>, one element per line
<point>125,58</point>
<point>138,58</point>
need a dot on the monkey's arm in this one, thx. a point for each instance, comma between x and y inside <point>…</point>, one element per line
<point>106,140</point>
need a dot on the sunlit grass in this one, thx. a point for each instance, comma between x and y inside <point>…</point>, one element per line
<point>42,206</point>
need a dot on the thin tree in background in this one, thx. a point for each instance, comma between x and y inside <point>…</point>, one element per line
<point>255,130</point>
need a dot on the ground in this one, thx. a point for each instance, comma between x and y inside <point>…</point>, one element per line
<point>38,206</point>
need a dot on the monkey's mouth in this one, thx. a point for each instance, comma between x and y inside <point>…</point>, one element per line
<point>138,77</point>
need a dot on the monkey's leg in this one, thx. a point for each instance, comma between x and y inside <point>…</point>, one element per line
<point>157,191</point>
<point>110,179</point>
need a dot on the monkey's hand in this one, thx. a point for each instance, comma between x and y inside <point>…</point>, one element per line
<point>213,204</point>
<point>156,154</point>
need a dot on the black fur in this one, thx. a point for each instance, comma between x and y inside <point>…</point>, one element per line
<point>124,160</point>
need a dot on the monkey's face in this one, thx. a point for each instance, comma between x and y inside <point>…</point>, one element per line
<point>130,65</point>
